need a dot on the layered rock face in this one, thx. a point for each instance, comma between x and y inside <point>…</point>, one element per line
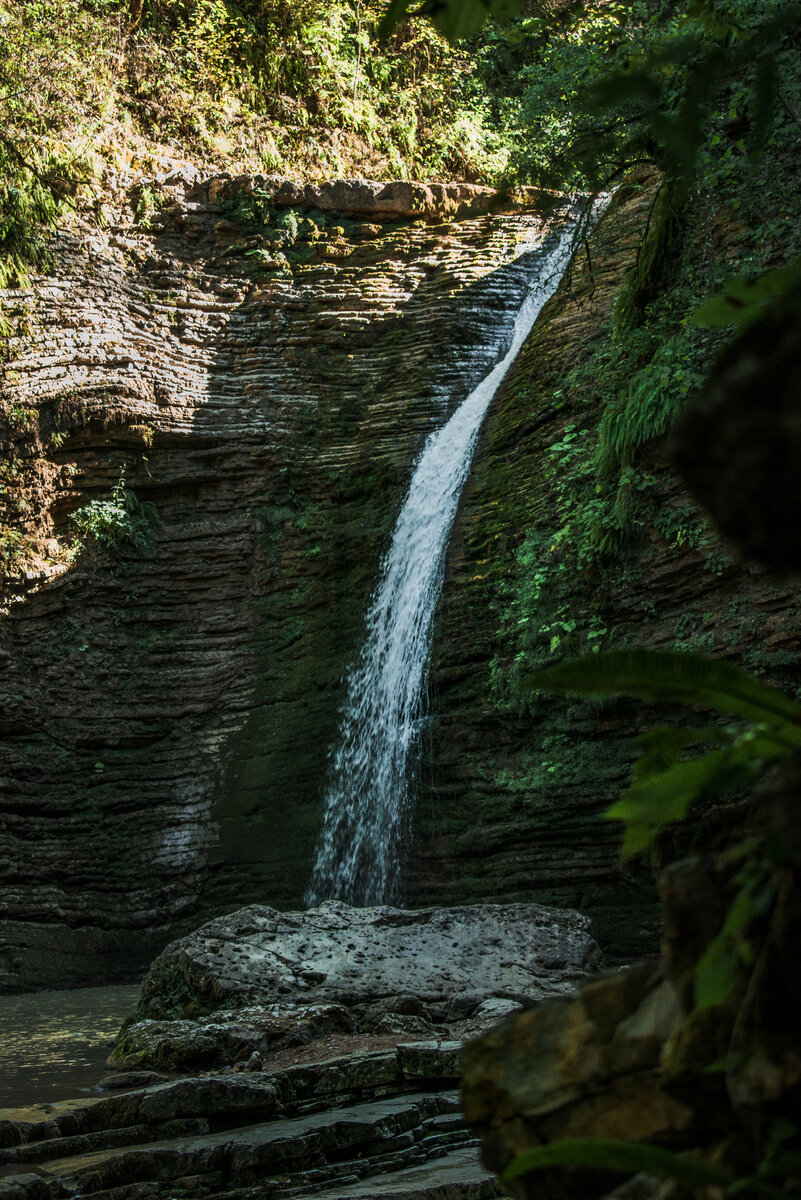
<point>511,805</point>
<point>383,1123</point>
<point>261,363</point>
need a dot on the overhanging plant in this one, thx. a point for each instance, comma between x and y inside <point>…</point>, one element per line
<point>678,766</point>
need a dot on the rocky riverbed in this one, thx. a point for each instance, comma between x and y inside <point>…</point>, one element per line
<point>373,1006</point>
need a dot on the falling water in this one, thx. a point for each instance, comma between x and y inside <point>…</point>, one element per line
<point>366,824</point>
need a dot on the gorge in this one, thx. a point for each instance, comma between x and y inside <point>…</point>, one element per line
<point>333,431</point>
<point>369,801</point>
<point>271,414</point>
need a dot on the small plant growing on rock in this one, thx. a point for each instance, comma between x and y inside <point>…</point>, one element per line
<point>122,519</point>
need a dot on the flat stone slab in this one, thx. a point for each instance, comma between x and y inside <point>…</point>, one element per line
<point>449,959</point>
<point>378,1133</point>
<point>460,1175</point>
<point>58,1130</point>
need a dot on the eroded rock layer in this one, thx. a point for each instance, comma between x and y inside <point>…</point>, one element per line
<point>371,1124</point>
<point>259,374</point>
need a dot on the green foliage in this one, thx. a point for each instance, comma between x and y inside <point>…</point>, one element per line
<point>601,505</point>
<point>306,83</point>
<point>593,88</point>
<point>122,519</point>
<point>687,678</point>
<point>716,970</point>
<point>652,264</point>
<point>665,784</point>
<point>610,1154</point>
<point>743,301</point>
<point>646,407</point>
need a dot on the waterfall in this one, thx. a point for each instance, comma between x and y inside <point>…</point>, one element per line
<point>368,801</point>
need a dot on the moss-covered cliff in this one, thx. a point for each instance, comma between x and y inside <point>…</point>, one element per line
<point>576,534</point>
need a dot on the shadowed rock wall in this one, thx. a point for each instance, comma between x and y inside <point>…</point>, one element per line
<point>265,376</point>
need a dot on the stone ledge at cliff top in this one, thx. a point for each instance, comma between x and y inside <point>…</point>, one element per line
<point>451,958</point>
<point>379,200</point>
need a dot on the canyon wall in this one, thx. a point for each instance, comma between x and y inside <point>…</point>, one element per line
<point>511,804</point>
<point>259,364</point>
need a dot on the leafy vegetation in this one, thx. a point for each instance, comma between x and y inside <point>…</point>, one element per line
<point>667,781</point>
<point>672,772</point>
<point>683,91</point>
<point>121,519</point>
<point>293,86</point>
<point>610,1154</point>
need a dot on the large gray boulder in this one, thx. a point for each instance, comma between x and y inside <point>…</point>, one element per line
<point>450,960</point>
<point>258,982</point>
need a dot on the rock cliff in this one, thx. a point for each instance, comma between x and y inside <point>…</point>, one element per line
<point>511,805</point>
<point>242,371</point>
<point>253,367</point>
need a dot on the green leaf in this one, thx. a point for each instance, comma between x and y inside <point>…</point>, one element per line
<point>659,799</point>
<point>655,675</point>
<point>715,973</point>
<point>743,301</point>
<point>609,1154</point>
<point>661,746</point>
<point>716,970</point>
<point>660,796</point>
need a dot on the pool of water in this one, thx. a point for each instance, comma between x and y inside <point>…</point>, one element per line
<point>53,1044</point>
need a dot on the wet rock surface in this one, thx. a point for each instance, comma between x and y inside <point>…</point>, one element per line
<point>371,1123</point>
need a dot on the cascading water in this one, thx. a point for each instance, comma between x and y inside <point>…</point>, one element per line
<point>367,818</point>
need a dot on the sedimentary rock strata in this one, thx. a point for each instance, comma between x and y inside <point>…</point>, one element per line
<point>263,373</point>
<point>370,1124</point>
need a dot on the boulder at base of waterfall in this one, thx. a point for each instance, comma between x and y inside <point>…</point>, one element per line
<point>264,979</point>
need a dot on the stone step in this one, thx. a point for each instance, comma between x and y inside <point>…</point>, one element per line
<point>150,1113</point>
<point>316,1148</point>
<point>459,1176</point>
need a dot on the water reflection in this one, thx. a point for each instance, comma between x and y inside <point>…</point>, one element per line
<point>54,1044</point>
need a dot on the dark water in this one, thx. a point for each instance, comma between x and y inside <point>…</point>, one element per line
<point>53,1044</point>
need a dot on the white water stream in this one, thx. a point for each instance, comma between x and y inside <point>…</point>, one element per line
<point>368,802</point>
